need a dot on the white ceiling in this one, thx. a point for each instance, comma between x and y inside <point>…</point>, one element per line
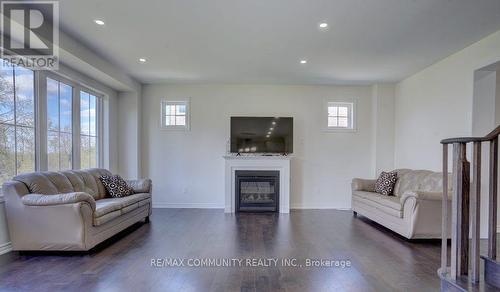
<point>262,41</point>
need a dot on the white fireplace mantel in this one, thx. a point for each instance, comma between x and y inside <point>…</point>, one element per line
<point>255,162</point>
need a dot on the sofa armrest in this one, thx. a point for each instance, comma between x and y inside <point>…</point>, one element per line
<point>359,184</point>
<point>14,189</point>
<point>59,199</point>
<point>140,185</point>
<point>422,195</point>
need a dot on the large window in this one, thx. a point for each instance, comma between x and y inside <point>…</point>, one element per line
<point>17,122</point>
<point>88,130</point>
<point>59,125</point>
<point>52,126</point>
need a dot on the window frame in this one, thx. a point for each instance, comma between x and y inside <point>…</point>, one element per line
<point>42,103</point>
<point>163,104</point>
<point>73,125</point>
<point>15,124</point>
<point>99,125</point>
<point>351,115</point>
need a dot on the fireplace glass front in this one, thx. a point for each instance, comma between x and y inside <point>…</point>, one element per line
<point>257,191</point>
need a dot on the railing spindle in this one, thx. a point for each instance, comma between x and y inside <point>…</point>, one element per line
<point>465,213</point>
<point>492,216</point>
<point>475,207</point>
<point>454,215</point>
<point>444,208</point>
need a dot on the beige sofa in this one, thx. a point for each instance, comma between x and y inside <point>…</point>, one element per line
<point>69,210</point>
<point>415,209</point>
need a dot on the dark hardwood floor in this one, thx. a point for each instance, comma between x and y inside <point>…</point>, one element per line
<point>380,260</point>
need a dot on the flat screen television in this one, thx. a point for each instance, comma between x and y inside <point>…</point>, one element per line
<point>273,135</point>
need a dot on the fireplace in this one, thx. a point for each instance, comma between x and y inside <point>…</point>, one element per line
<point>257,191</point>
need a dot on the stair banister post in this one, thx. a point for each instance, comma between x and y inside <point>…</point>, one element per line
<point>460,212</point>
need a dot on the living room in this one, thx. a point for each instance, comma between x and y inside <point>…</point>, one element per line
<point>241,146</point>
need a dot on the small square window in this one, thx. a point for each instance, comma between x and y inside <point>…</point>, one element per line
<point>175,115</point>
<point>340,116</point>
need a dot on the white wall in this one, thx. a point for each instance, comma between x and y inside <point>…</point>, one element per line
<point>446,100</point>
<point>436,103</point>
<point>129,139</point>
<point>383,124</point>
<point>497,97</point>
<point>187,168</point>
<point>111,133</point>
<point>105,77</point>
<point>483,121</point>
<point>483,104</point>
<point>497,122</point>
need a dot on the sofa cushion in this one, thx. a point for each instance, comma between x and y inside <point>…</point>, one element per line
<point>130,208</point>
<point>58,199</point>
<point>418,180</point>
<point>46,183</point>
<point>97,173</point>
<point>37,183</point>
<point>385,183</point>
<point>60,181</point>
<point>105,206</point>
<point>122,205</point>
<point>83,181</point>
<point>144,202</point>
<point>106,217</point>
<point>388,204</point>
<point>140,185</point>
<point>132,199</point>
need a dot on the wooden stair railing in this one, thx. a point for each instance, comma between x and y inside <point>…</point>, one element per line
<point>465,215</point>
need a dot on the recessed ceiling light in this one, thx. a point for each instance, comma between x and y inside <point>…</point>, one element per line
<point>267,136</point>
<point>142,60</point>
<point>323,25</point>
<point>270,129</point>
<point>269,133</point>
<point>274,123</point>
<point>303,61</point>
<point>99,22</point>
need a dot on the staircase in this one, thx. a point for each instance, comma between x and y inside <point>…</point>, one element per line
<point>462,273</point>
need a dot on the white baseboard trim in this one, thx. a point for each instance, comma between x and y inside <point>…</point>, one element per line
<point>216,206</point>
<point>188,205</point>
<point>5,248</point>
<point>298,207</point>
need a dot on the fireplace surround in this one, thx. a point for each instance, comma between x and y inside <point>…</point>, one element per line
<point>279,164</point>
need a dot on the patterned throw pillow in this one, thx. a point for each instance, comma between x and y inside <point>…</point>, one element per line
<point>385,183</point>
<point>116,186</point>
